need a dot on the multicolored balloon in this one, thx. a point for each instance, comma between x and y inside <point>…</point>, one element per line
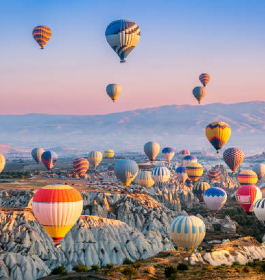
<point>80,166</point>
<point>2,162</point>
<point>218,134</point>
<point>194,171</point>
<point>144,179</point>
<point>160,174</point>
<point>199,93</point>
<point>189,159</point>
<point>49,159</point>
<point>181,174</point>
<point>214,174</point>
<point>151,149</point>
<point>262,189</point>
<point>168,153</point>
<point>215,198</point>
<point>259,210</point>
<point>247,196</point>
<point>199,189</point>
<point>233,157</point>
<point>95,158</point>
<point>187,231</point>
<point>247,177</point>
<point>36,154</point>
<point>123,35</point>
<point>57,208</point>
<point>204,78</point>
<point>126,170</point>
<point>259,169</point>
<point>113,91</point>
<point>42,35</point>
<point>109,154</point>
<point>184,153</point>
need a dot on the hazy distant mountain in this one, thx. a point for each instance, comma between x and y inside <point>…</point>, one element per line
<point>180,126</point>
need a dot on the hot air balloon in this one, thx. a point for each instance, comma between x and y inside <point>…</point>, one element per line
<point>233,157</point>
<point>109,154</point>
<point>113,91</point>
<point>160,175</point>
<point>151,149</point>
<point>199,93</point>
<point>259,210</point>
<point>189,159</point>
<point>199,189</point>
<point>262,189</point>
<point>187,231</point>
<point>95,158</point>
<point>259,169</point>
<point>144,179</point>
<point>181,174</point>
<point>218,133</point>
<point>126,170</point>
<point>247,177</point>
<point>42,35</point>
<point>204,78</point>
<point>194,171</point>
<point>49,159</point>
<point>2,162</point>
<point>37,153</point>
<point>57,208</point>
<point>168,153</point>
<point>123,35</point>
<point>184,153</point>
<point>214,174</point>
<point>214,198</point>
<point>80,166</point>
<point>247,196</point>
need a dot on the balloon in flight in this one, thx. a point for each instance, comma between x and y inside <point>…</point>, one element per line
<point>168,153</point>
<point>214,174</point>
<point>199,189</point>
<point>189,159</point>
<point>259,169</point>
<point>262,189</point>
<point>247,177</point>
<point>126,170</point>
<point>160,174</point>
<point>109,153</point>
<point>259,210</point>
<point>214,198</point>
<point>36,154</point>
<point>42,35</point>
<point>181,174</point>
<point>194,171</point>
<point>204,78</point>
<point>151,149</point>
<point>95,158</point>
<point>144,179</point>
<point>2,162</point>
<point>233,157</point>
<point>199,93</point>
<point>113,91</point>
<point>184,153</point>
<point>80,166</point>
<point>49,159</point>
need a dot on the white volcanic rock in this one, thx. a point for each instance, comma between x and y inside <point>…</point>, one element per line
<point>228,226</point>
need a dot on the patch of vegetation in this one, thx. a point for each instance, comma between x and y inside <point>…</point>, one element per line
<point>94,267</point>
<point>236,263</point>
<point>127,261</point>
<point>59,270</point>
<point>262,267</point>
<point>170,270</point>
<point>80,268</point>
<point>109,265</point>
<point>246,269</point>
<point>137,264</point>
<point>182,266</point>
<point>128,271</point>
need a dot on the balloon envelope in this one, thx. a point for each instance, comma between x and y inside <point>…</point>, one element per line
<point>199,190</point>
<point>215,198</point>
<point>109,154</point>
<point>247,177</point>
<point>189,159</point>
<point>199,93</point>
<point>36,154</point>
<point>259,210</point>
<point>204,78</point>
<point>144,179</point>
<point>113,91</point>
<point>214,174</point>
<point>194,171</point>
<point>160,174</point>
<point>42,35</point>
<point>2,162</point>
<point>49,159</point>
<point>184,153</point>
<point>259,169</point>
<point>233,157</point>
<point>95,158</point>
<point>168,153</point>
<point>80,166</point>
<point>262,189</point>
<point>151,149</point>
<point>181,174</point>
<point>126,170</point>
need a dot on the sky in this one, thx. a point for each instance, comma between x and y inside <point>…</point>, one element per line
<point>179,41</point>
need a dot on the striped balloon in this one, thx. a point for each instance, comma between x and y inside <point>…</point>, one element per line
<point>181,174</point>
<point>215,198</point>
<point>204,78</point>
<point>123,35</point>
<point>42,35</point>
<point>151,149</point>
<point>126,170</point>
<point>80,166</point>
<point>95,158</point>
<point>214,174</point>
<point>247,177</point>
<point>199,189</point>
<point>184,153</point>
<point>144,179</point>
<point>233,157</point>
<point>259,169</point>
<point>194,171</point>
<point>49,159</point>
<point>218,134</point>
<point>109,154</point>
<point>259,210</point>
<point>160,174</point>
<point>113,91</point>
<point>168,153</point>
<point>57,208</point>
<point>199,93</point>
<point>2,162</point>
<point>36,154</point>
<point>247,196</point>
<point>189,159</point>
<point>262,189</point>
<point>187,231</point>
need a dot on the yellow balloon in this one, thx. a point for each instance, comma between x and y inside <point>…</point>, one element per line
<point>194,171</point>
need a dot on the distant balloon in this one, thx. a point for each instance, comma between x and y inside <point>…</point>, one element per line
<point>126,170</point>
<point>259,210</point>
<point>144,179</point>
<point>189,159</point>
<point>95,158</point>
<point>184,153</point>
<point>123,35</point>
<point>187,231</point>
<point>42,35</point>
<point>49,159</point>
<point>194,171</point>
<point>259,169</point>
<point>109,154</point>
<point>204,78</point>
<point>199,93</point>
<point>80,166</point>
<point>36,154</point>
<point>199,189</point>
<point>151,149</point>
<point>215,198</point>
<point>262,189</point>
<point>2,162</point>
<point>168,153</point>
<point>160,174</point>
<point>233,157</point>
<point>113,91</point>
<point>218,134</point>
<point>181,174</point>
<point>57,208</point>
<point>247,196</point>
<point>214,174</point>
<point>247,177</point>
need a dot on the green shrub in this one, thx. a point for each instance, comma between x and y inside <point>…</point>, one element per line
<point>94,267</point>
<point>182,266</point>
<point>262,267</point>
<point>137,264</point>
<point>109,265</point>
<point>127,261</point>
<point>59,270</point>
<point>246,269</point>
<point>170,270</point>
<point>129,271</point>
<point>81,268</point>
<point>236,263</point>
